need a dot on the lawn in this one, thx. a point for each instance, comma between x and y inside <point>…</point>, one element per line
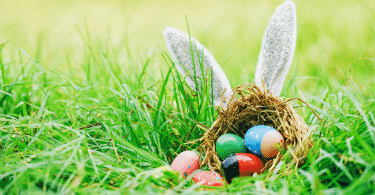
<point>91,102</point>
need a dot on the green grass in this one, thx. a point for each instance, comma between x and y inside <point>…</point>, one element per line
<point>101,117</point>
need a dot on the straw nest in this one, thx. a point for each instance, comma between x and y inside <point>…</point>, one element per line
<point>250,106</point>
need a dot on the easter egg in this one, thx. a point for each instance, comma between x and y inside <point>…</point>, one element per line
<point>264,141</point>
<point>186,162</point>
<point>228,144</point>
<point>242,165</point>
<point>208,178</point>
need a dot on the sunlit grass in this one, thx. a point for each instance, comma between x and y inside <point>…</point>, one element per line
<point>334,37</point>
<point>99,112</point>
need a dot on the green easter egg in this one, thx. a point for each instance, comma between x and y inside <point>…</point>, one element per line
<point>228,144</point>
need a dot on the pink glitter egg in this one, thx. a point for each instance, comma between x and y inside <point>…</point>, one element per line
<point>208,178</point>
<point>186,162</point>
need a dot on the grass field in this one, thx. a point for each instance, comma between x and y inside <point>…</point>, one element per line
<point>91,103</point>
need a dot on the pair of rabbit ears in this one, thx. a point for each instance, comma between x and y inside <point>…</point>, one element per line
<point>274,60</point>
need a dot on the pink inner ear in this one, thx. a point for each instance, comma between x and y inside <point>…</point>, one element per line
<point>269,142</point>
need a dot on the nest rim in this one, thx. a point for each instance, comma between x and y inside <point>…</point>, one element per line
<point>262,108</point>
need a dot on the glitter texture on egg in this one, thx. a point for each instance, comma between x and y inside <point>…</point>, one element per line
<point>278,45</point>
<point>186,162</point>
<point>208,178</point>
<point>178,44</point>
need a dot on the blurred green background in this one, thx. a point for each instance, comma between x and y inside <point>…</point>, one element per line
<point>335,38</point>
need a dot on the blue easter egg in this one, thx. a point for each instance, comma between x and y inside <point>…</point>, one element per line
<point>270,137</point>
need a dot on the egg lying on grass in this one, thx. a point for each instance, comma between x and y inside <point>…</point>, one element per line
<point>264,141</point>
<point>208,178</point>
<point>186,162</point>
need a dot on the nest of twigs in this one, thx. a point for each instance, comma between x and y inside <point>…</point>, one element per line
<point>250,106</point>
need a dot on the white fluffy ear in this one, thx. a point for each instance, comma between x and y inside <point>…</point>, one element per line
<point>178,45</point>
<point>278,45</point>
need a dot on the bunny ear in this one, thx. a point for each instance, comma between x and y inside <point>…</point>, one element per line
<point>278,45</point>
<point>178,45</point>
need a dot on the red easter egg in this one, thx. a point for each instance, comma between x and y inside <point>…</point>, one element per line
<point>186,162</point>
<point>209,178</point>
<point>242,165</point>
<point>249,164</point>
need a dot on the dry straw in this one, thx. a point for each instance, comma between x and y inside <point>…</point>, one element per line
<point>250,106</point>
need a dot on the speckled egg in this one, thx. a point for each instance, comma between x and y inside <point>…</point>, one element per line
<point>228,144</point>
<point>186,162</point>
<point>264,141</point>
<point>241,165</point>
<point>208,178</point>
